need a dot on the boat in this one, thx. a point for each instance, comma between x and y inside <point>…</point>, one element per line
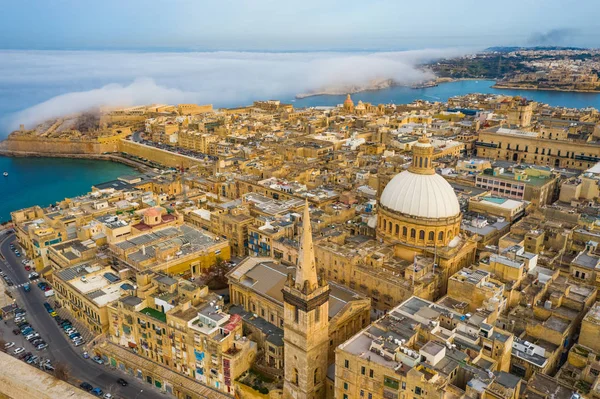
<point>5,174</point>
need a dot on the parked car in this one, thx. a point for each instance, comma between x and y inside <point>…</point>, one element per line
<point>16,331</point>
<point>79,343</point>
<point>86,386</point>
<point>98,360</point>
<point>19,319</point>
<point>21,350</point>
<point>86,355</point>
<point>41,346</point>
<point>9,345</point>
<point>108,396</point>
<point>49,367</point>
<point>97,391</point>
<point>53,314</point>
<point>33,275</point>
<point>122,382</point>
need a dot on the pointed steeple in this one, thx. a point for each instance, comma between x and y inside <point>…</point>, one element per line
<point>306,271</point>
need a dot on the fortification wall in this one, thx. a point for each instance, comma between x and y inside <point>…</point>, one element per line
<point>156,154</point>
<point>18,380</point>
<point>58,146</point>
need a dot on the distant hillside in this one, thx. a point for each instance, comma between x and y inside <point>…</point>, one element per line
<point>508,49</point>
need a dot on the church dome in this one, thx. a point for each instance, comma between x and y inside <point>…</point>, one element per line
<point>420,195</point>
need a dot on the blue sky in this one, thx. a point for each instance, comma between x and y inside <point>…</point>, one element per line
<point>295,25</point>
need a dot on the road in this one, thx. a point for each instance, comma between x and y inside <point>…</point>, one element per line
<point>59,346</point>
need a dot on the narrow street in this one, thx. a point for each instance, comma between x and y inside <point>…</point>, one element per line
<point>60,349</point>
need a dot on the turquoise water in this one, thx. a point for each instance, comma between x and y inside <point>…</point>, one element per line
<point>402,95</point>
<point>42,181</point>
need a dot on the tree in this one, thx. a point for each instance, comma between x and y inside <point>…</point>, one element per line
<point>215,275</point>
<point>62,371</point>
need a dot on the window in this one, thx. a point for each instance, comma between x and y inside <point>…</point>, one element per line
<point>345,386</point>
<point>391,382</point>
<point>404,231</point>
<point>316,377</point>
<point>295,377</point>
<point>403,385</point>
<point>413,233</point>
<point>362,393</point>
<point>296,314</point>
<point>441,236</point>
<point>397,229</point>
<point>418,390</point>
<point>431,236</point>
<point>371,373</point>
<point>345,396</point>
<point>363,370</point>
<point>422,235</point>
<point>346,364</point>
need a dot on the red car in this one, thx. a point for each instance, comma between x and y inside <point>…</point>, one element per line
<point>27,267</point>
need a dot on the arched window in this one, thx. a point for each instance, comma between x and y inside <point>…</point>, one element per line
<point>295,377</point>
<point>441,236</point>
<point>316,376</point>
<point>413,233</point>
<point>397,229</point>
<point>431,236</point>
<point>404,231</point>
<point>384,224</point>
<point>390,227</point>
<point>449,234</point>
<point>422,235</point>
<point>420,162</point>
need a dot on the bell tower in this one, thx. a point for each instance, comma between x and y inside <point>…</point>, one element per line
<point>306,324</point>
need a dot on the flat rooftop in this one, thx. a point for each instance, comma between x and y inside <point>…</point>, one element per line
<point>268,278</point>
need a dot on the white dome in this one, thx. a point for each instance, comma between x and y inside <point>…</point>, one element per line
<point>428,196</point>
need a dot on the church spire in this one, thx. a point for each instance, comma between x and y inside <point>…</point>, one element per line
<point>306,272</point>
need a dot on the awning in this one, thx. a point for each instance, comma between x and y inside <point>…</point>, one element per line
<point>132,344</point>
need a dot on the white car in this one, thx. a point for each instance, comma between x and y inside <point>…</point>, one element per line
<point>18,350</point>
<point>19,319</point>
<point>9,345</point>
<point>108,396</point>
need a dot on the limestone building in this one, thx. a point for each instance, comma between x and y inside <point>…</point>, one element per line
<point>419,214</point>
<point>306,325</point>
